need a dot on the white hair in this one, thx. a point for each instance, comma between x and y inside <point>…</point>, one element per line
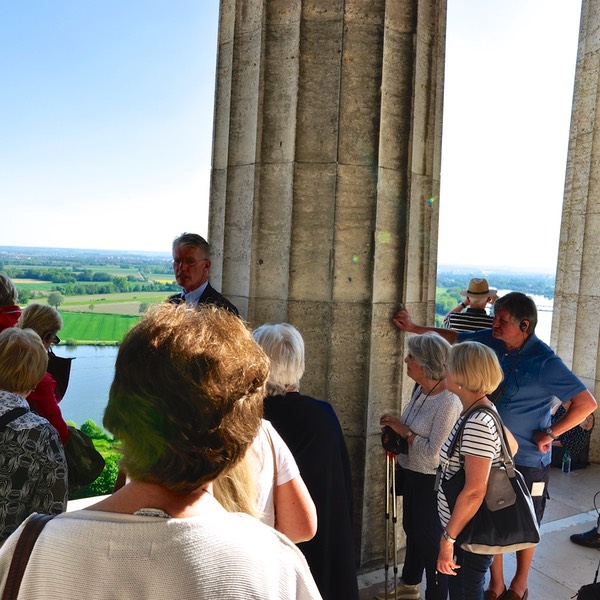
<point>284,346</point>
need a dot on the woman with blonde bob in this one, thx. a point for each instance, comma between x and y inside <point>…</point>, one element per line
<point>34,469</point>
<point>185,403</point>
<point>473,372</point>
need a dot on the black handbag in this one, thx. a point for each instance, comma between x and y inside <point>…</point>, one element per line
<point>84,462</point>
<point>393,442</point>
<point>60,369</point>
<point>506,520</point>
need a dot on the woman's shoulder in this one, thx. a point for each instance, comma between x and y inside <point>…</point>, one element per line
<point>481,421</point>
<point>449,400</point>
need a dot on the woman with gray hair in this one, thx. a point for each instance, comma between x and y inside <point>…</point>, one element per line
<point>425,424</point>
<point>313,433</point>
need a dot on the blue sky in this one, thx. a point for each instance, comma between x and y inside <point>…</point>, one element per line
<point>106,124</point>
<point>105,121</point>
<point>510,68</point>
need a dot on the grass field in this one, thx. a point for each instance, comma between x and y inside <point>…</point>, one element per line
<point>95,328</point>
<point>34,285</point>
<point>116,304</point>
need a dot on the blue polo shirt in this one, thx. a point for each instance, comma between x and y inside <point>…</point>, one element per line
<point>533,376</point>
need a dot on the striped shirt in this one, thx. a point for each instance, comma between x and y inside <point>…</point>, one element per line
<point>480,437</point>
<point>473,319</point>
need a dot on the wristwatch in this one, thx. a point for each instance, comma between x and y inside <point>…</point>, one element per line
<point>448,537</point>
<point>548,431</point>
<point>408,434</point>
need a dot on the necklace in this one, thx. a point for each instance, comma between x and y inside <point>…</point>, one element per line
<point>433,388</point>
<point>421,405</point>
<point>471,405</point>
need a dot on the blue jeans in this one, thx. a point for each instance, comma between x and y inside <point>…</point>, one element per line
<point>469,581</point>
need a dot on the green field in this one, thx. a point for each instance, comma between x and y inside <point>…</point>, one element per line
<point>95,328</point>
<point>100,299</point>
<point>32,285</point>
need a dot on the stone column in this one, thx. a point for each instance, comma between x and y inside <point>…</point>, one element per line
<point>576,318</point>
<point>324,209</point>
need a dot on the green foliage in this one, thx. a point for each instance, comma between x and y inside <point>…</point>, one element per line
<point>24,295</point>
<point>95,431</point>
<point>55,299</point>
<point>540,284</point>
<point>446,300</point>
<point>109,448</point>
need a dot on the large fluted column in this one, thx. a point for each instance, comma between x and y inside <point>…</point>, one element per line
<point>326,165</point>
<point>576,319</point>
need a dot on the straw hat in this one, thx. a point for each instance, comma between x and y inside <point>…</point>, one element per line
<point>478,287</point>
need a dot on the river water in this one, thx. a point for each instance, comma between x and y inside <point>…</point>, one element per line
<point>93,369</point>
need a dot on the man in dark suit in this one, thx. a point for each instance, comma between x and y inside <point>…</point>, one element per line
<point>191,263</point>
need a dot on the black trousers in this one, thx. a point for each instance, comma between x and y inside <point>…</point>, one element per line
<point>423,532</point>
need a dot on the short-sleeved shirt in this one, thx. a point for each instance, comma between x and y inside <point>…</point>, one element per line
<point>268,452</point>
<point>480,438</point>
<point>473,319</point>
<point>533,376</point>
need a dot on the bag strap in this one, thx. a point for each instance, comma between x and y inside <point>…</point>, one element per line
<point>11,415</point>
<point>505,453</point>
<point>23,549</point>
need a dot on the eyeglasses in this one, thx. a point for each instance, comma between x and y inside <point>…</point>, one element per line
<point>188,262</point>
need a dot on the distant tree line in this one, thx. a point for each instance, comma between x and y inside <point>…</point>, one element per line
<point>62,275</point>
<point>450,284</point>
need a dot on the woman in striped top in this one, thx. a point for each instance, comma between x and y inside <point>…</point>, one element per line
<point>473,371</point>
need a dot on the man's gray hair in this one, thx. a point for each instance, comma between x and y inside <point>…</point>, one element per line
<point>192,239</point>
<point>284,346</point>
<point>431,351</point>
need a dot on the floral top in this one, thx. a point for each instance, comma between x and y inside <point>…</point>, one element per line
<point>33,468</point>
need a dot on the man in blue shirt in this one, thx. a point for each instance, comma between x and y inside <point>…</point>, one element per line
<point>533,376</point>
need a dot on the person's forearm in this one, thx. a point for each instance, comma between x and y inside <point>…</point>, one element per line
<point>581,406</point>
<point>458,308</point>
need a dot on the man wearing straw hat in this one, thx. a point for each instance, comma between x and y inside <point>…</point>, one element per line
<point>477,296</point>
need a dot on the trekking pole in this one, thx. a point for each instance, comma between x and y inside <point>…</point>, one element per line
<point>390,498</point>
<point>394,522</point>
<point>391,444</point>
<point>386,566</point>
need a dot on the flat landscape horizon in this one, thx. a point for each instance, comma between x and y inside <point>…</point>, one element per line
<point>442,266</point>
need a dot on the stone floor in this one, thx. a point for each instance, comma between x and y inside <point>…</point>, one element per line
<point>559,567</point>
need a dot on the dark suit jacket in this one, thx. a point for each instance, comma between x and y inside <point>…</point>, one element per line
<point>209,296</point>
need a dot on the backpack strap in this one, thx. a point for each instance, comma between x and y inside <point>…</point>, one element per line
<point>11,415</point>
